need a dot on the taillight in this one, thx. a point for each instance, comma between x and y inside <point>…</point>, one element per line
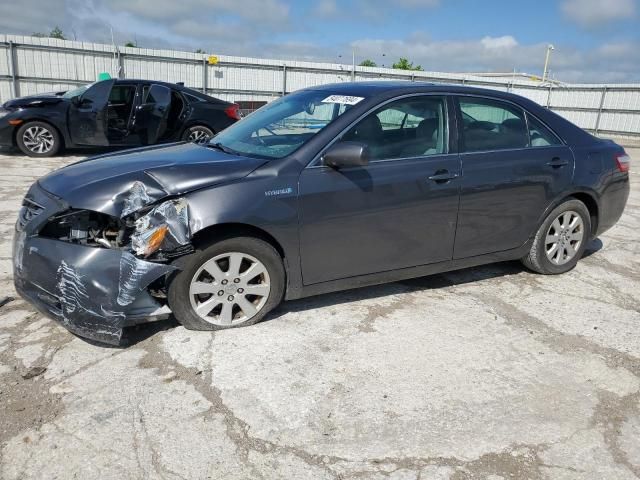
<point>623,161</point>
<point>233,111</point>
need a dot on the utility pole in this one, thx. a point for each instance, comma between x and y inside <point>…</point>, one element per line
<point>353,68</point>
<point>545,72</point>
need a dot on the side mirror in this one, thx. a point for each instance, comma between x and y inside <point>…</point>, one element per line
<point>347,154</point>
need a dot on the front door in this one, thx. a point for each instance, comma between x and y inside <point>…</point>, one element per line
<point>514,167</point>
<point>88,115</point>
<point>397,212</point>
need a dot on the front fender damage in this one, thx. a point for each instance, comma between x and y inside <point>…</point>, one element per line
<point>97,274</point>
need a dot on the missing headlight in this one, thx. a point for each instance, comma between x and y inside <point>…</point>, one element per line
<point>86,227</point>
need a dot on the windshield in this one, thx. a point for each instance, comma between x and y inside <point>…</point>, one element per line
<point>282,126</point>
<point>77,91</point>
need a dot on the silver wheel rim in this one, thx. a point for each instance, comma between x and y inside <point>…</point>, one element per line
<point>199,136</point>
<point>38,139</point>
<point>229,289</point>
<point>564,237</point>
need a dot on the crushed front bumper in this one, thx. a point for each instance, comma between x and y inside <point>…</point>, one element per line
<point>94,292</point>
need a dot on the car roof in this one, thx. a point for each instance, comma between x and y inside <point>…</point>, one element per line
<point>380,87</point>
<point>182,88</point>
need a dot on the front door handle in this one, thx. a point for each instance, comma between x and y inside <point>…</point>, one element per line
<point>557,162</point>
<point>442,176</point>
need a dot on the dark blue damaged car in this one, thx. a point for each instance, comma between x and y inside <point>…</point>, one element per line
<point>328,188</point>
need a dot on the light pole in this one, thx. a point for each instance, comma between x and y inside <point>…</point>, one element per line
<point>545,73</point>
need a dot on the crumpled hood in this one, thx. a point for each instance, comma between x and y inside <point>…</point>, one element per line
<point>105,183</point>
<point>38,100</point>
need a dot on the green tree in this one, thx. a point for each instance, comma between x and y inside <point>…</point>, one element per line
<point>57,33</point>
<point>368,63</point>
<point>131,44</point>
<point>199,50</point>
<point>405,64</point>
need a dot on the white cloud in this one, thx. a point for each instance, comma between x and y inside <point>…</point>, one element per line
<point>616,62</point>
<point>326,8</point>
<point>506,41</point>
<point>597,13</point>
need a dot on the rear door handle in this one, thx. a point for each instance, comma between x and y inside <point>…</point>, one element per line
<point>442,176</point>
<point>557,162</point>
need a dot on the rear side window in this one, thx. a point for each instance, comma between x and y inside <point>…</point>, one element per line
<point>407,128</point>
<point>540,135</point>
<point>492,125</point>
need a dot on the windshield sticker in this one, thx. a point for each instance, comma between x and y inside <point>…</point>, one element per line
<point>343,99</point>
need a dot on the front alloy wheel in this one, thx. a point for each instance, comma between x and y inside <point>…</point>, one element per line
<point>38,139</point>
<point>229,289</point>
<point>232,282</point>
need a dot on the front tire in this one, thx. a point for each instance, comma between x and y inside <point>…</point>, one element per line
<point>38,139</point>
<point>232,283</point>
<point>197,134</point>
<point>560,240</point>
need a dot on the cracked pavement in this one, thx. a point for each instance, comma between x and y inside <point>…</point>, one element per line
<point>485,373</point>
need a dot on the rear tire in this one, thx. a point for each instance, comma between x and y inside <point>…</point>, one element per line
<point>560,240</point>
<point>38,139</point>
<point>241,279</point>
<point>197,134</point>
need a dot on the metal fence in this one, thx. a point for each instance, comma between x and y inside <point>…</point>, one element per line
<point>30,65</point>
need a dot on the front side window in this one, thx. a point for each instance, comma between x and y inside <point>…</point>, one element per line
<point>407,128</point>
<point>492,125</point>
<point>284,125</point>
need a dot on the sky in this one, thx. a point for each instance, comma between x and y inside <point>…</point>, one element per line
<point>595,40</point>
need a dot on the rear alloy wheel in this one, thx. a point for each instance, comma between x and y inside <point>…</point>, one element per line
<point>561,239</point>
<point>198,134</point>
<point>38,139</point>
<point>232,283</point>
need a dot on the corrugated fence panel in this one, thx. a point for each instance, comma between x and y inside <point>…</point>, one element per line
<point>45,64</point>
<point>625,99</point>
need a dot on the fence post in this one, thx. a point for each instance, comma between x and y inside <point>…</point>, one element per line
<point>204,75</point>
<point>121,72</point>
<point>284,79</point>
<point>15,90</point>
<point>604,94</point>
<point>549,96</point>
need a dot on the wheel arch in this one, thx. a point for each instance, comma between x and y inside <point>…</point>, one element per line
<point>589,198</point>
<point>232,229</point>
<point>592,205</point>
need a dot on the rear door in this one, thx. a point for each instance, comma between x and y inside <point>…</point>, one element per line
<point>88,116</point>
<point>151,116</point>
<point>514,167</point>
<point>397,212</point>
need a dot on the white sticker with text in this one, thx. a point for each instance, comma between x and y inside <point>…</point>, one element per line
<point>344,99</point>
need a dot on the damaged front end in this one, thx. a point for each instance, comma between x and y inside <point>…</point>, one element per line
<point>94,272</point>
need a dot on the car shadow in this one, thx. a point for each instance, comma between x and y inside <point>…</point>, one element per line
<point>139,333</point>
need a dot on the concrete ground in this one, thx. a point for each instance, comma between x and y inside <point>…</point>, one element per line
<point>491,372</point>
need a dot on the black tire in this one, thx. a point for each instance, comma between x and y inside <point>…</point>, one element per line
<point>49,133</point>
<point>178,291</point>
<point>537,259</point>
<point>195,130</point>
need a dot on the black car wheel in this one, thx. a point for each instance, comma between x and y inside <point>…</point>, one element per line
<point>38,139</point>
<point>231,283</point>
<point>197,134</point>
<point>560,240</point>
